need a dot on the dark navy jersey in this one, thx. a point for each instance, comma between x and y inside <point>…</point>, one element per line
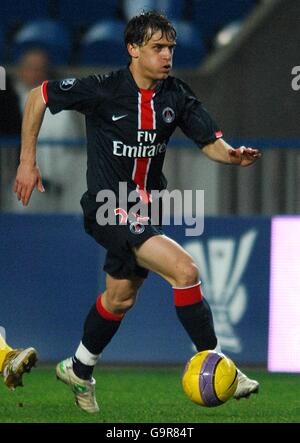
<point>128,128</point>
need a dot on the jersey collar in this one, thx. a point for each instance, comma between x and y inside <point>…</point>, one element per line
<point>135,86</point>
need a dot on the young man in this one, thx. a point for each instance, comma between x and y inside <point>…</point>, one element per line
<point>130,116</point>
<point>15,362</point>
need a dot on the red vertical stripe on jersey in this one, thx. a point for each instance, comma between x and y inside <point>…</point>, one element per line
<point>140,177</point>
<point>147,117</point>
<point>44,91</point>
<point>146,121</point>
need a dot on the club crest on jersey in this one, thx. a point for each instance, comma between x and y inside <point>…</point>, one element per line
<point>136,227</point>
<point>168,115</point>
<point>67,83</point>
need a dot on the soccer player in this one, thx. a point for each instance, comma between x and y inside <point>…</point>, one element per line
<point>130,116</point>
<point>15,362</point>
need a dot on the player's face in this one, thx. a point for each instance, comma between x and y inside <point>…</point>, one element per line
<point>154,58</point>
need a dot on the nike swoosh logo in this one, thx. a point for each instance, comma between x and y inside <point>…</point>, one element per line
<point>115,117</point>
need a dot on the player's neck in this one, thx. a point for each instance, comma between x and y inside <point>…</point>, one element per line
<point>141,80</point>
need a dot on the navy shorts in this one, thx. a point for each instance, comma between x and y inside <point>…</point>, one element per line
<point>119,240</point>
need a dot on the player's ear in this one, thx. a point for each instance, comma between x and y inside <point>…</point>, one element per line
<point>133,50</point>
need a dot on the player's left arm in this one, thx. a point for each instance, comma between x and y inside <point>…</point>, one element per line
<point>222,152</point>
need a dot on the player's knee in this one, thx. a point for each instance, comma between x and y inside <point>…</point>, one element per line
<point>121,295</point>
<point>121,303</point>
<point>126,304</point>
<point>187,275</point>
<point>122,306</point>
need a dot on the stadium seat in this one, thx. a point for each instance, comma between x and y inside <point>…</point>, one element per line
<point>172,8</point>
<point>227,34</point>
<point>17,12</point>
<point>103,44</point>
<point>78,12</point>
<point>190,48</point>
<point>49,35</point>
<point>211,15</point>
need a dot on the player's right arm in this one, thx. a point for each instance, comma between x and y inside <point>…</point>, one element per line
<point>28,174</point>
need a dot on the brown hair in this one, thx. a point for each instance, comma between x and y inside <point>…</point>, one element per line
<point>141,28</point>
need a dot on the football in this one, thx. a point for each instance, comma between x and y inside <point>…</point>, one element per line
<point>209,378</point>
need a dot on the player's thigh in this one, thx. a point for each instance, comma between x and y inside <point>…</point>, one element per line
<point>167,258</point>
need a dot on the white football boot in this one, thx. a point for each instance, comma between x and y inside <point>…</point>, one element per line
<point>16,363</point>
<point>84,390</point>
<point>245,386</point>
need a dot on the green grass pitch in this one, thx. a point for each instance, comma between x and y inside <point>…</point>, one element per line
<point>146,395</point>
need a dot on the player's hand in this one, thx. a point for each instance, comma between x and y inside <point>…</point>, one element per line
<point>28,177</point>
<point>244,156</point>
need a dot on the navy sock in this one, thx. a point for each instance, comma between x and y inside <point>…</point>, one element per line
<point>99,328</point>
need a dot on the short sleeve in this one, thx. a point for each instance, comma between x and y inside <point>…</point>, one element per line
<point>195,121</point>
<point>81,95</point>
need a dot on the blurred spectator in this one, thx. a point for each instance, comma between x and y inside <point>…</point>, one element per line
<point>61,165</point>
<point>10,116</point>
<point>10,126</point>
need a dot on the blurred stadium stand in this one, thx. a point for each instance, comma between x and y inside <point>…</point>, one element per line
<point>102,44</point>
<point>83,13</point>
<point>227,34</point>
<point>174,9</point>
<point>2,45</point>
<point>17,12</point>
<point>190,48</point>
<point>198,22</point>
<point>50,35</point>
<point>211,15</point>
